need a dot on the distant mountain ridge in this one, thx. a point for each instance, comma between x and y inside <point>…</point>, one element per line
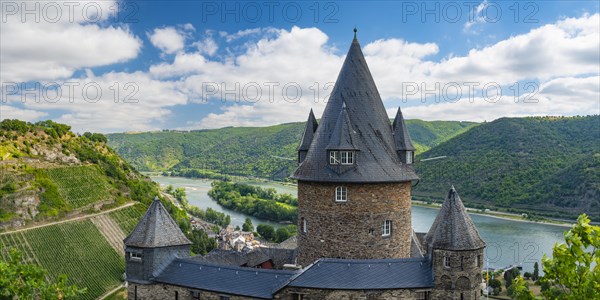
<point>550,165</point>
<point>252,151</point>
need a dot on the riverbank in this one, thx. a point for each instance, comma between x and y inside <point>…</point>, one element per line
<point>499,215</point>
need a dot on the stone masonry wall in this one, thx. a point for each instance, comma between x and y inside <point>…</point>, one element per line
<point>353,229</point>
<point>167,292</point>
<point>315,294</point>
<point>463,276</point>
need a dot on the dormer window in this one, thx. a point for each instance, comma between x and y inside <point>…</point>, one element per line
<point>347,157</point>
<point>341,194</point>
<point>409,157</point>
<point>334,157</point>
<point>341,157</point>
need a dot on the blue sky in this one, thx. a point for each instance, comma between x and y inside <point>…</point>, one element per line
<point>177,59</point>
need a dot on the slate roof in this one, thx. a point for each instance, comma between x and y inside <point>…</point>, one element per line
<point>377,159</point>
<point>453,228</point>
<point>343,134</point>
<point>249,282</point>
<point>156,229</point>
<point>279,257</point>
<point>401,137</point>
<point>309,131</point>
<point>368,274</point>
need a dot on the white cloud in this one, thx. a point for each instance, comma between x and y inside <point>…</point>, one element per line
<point>167,39</point>
<point>47,51</point>
<point>11,112</point>
<point>207,46</point>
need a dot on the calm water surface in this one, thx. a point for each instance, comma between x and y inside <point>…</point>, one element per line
<point>508,242</point>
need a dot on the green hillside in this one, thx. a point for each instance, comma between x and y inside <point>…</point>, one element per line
<point>48,173</point>
<point>251,151</point>
<point>542,164</point>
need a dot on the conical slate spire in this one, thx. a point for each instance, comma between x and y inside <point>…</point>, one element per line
<point>401,138</point>
<point>343,134</point>
<point>453,228</point>
<point>156,229</point>
<point>309,132</point>
<point>376,158</point>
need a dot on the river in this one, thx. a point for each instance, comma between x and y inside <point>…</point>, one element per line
<point>509,242</point>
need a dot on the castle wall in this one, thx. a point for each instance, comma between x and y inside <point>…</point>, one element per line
<point>353,229</point>
<point>171,292</point>
<point>318,294</point>
<point>462,277</point>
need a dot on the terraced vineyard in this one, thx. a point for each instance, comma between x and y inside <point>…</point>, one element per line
<point>128,217</point>
<point>17,241</point>
<point>76,249</point>
<point>80,185</point>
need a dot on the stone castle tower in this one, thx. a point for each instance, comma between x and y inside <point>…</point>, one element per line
<point>154,242</point>
<point>456,250</point>
<point>354,175</point>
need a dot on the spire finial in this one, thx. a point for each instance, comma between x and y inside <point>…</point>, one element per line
<point>355,30</point>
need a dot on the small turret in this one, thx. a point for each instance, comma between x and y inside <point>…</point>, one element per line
<point>456,250</point>
<point>402,141</point>
<point>154,242</point>
<point>307,137</point>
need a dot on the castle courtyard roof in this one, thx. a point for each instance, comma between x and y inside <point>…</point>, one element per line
<point>368,274</point>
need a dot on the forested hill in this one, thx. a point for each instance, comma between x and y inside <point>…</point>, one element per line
<point>544,164</point>
<point>251,151</point>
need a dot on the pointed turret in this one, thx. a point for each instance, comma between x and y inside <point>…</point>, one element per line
<point>456,251</point>
<point>156,229</point>
<point>154,242</point>
<point>376,157</point>
<point>307,136</point>
<point>402,141</point>
<point>453,228</point>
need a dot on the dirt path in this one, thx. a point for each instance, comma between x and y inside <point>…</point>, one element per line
<point>111,232</point>
<point>70,220</point>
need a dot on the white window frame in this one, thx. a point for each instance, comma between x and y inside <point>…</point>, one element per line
<point>386,228</point>
<point>421,296</point>
<point>334,157</point>
<point>347,157</point>
<point>304,225</point>
<point>446,262</point>
<point>135,256</point>
<point>341,194</point>
<point>409,157</point>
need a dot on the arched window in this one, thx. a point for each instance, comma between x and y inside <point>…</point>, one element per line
<point>463,283</point>
<point>341,194</point>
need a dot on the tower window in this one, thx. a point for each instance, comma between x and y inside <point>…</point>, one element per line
<point>334,157</point>
<point>386,228</point>
<point>135,256</point>
<point>478,260</point>
<point>303,225</point>
<point>347,157</point>
<point>446,262</point>
<point>421,296</point>
<point>341,194</point>
<point>409,157</point>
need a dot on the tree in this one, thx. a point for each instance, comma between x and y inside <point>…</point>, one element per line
<point>536,272</point>
<point>28,281</point>
<point>570,269</point>
<point>266,231</point>
<point>281,234</point>
<point>247,226</point>
<point>519,290</point>
<point>508,279</point>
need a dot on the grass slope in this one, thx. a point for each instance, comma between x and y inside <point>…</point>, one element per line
<point>542,164</point>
